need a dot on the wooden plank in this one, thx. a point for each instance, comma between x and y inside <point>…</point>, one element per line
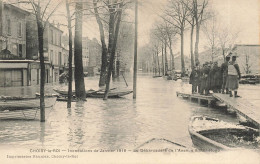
<point>195,96</point>
<point>242,106</point>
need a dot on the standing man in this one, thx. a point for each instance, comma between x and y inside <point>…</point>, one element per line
<point>194,77</point>
<point>233,76</point>
<point>199,76</point>
<point>224,71</point>
<point>207,78</point>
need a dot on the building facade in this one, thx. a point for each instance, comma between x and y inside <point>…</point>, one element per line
<point>13,46</point>
<point>91,53</point>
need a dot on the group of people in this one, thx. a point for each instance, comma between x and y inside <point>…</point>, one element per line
<point>219,79</point>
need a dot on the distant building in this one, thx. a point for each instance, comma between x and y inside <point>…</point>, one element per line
<point>52,46</point>
<point>91,55</point>
<point>247,57</point>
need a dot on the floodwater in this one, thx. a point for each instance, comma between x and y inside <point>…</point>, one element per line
<point>115,123</point>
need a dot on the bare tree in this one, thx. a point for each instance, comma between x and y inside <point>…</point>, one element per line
<point>79,75</point>
<point>166,33</point>
<point>191,20</point>
<point>210,30</point>
<point>43,10</point>
<point>103,73</point>
<point>177,14</point>
<point>226,38</point>
<point>247,68</point>
<point>198,9</point>
<point>70,55</point>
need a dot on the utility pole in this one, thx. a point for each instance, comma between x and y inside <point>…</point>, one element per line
<point>135,50</point>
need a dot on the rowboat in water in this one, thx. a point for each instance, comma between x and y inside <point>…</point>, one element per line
<point>160,145</point>
<point>209,134</point>
<point>113,93</point>
<point>24,108</point>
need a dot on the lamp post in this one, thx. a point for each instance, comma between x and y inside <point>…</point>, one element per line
<point>135,50</point>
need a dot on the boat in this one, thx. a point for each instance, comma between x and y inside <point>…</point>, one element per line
<point>63,92</point>
<point>24,108</point>
<point>99,93</point>
<point>111,94</point>
<point>156,76</point>
<point>210,134</point>
<point>160,145</point>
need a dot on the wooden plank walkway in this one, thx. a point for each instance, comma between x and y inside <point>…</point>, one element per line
<point>241,106</point>
<point>197,96</point>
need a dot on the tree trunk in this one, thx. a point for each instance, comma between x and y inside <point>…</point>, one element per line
<point>117,68</point>
<point>212,54</point>
<point>197,42</point>
<point>191,47</point>
<point>182,53</point>
<point>113,35</point>
<point>172,61</point>
<point>114,70</point>
<point>163,68</point>
<point>103,73</point>
<point>79,76</point>
<point>70,56</point>
<point>159,69</point>
<point>42,65</point>
<point>223,54</point>
<point>166,60</point>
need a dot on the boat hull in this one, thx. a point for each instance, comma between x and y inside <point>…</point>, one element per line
<point>28,109</point>
<point>110,94</point>
<point>99,94</point>
<point>222,137</point>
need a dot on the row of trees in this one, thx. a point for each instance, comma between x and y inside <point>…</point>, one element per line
<point>180,16</point>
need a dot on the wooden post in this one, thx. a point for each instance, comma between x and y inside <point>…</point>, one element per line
<point>135,50</point>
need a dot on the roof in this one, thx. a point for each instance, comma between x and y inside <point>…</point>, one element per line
<point>55,27</point>
<point>251,45</point>
<point>17,9</point>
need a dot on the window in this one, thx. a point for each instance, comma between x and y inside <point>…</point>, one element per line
<point>51,36</point>
<point>51,56</point>
<point>9,27</point>
<point>59,59</point>
<point>20,51</point>
<point>19,29</point>
<point>60,41</point>
<point>54,38</point>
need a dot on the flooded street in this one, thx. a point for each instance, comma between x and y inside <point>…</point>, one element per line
<point>116,123</point>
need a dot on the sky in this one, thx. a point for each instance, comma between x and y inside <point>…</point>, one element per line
<point>237,15</point>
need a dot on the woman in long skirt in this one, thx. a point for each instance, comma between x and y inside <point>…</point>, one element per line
<point>233,77</point>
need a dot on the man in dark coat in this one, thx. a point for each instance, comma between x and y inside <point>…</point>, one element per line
<point>199,76</point>
<point>217,78</point>
<point>194,78</point>
<point>204,79</point>
<point>207,78</point>
<point>224,71</point>
<point>211,82</point>
<point>233,76</point>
